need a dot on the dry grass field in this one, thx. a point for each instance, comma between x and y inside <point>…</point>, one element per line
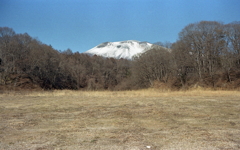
<point>125,120</point>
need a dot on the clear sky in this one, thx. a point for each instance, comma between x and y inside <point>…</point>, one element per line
<point>82,24</point>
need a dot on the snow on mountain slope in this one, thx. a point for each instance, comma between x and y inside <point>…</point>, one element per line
<point>122,49</point>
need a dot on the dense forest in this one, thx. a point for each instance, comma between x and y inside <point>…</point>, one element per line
<point>206,54</point>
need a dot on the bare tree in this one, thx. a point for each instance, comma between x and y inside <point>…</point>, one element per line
<point>205,42</point>
<point>6,56</point>
<point>153,65</point>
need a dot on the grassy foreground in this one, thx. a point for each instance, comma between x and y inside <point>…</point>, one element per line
<point>131,120</point>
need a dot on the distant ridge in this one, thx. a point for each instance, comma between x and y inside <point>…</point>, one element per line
<point>121,49</point>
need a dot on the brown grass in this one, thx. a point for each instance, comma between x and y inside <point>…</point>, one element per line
<point>196,119</point>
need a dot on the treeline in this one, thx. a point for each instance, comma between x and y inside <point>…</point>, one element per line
<point>27,63</point>
<point>206,54</point>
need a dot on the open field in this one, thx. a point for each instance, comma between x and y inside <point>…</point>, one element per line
<point>131,120</point>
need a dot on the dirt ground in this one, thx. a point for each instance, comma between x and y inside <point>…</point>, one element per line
<point>126,120</point>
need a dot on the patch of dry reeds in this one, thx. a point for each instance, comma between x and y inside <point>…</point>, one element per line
<point>151,92</point>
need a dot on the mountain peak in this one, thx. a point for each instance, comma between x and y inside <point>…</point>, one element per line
<point>122,49</point>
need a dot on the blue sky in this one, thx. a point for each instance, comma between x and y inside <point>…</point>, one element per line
<point>82,24</point>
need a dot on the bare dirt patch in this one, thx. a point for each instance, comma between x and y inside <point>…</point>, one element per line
<point>134,120</point>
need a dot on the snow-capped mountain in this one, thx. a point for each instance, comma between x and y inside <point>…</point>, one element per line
<point>122,49</point>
